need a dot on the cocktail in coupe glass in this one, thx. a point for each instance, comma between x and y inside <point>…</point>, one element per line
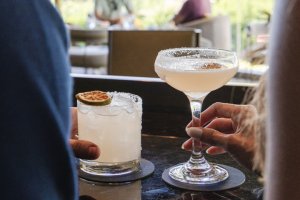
<point>196,72</point>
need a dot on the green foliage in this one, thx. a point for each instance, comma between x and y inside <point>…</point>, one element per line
<point>243,12</point>
<point>149,13</point>
<point>157,13</point>
<point>76,11</point>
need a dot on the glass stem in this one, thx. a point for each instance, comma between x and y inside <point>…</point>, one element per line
<point>197,164</point>
<point>196,106</point>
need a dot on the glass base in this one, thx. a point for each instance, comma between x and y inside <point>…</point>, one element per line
<point>215,175</point>
<point>109,169</point>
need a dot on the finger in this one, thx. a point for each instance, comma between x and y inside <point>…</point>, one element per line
<point>74,128</point>
<point>189,125</point>
<point>214,150</point>
<point>209,136</point>
<point>221,124</point>
<point>220,110</point>
<point>85,149</point>
<point>74,112</point>
<point>188,145</point>
<point>193,123</point>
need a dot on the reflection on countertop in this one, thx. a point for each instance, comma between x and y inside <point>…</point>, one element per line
<point>128,191</point>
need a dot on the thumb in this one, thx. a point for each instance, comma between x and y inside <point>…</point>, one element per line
<point>209,136</point>
<point>85,149</point>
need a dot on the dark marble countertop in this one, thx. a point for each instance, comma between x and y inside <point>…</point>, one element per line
<point>165,152</point>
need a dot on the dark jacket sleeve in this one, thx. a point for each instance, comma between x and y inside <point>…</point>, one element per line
<point>35,92</point>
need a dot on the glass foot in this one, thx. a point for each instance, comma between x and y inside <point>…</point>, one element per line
<point>215,175</point>
<point>109,169</point>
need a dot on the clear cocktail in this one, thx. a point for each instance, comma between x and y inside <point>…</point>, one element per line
<point>196,72</point>
<point>197,80</point>
<point>116,129</point>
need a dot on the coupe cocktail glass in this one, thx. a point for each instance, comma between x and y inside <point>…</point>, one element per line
<point>196,72</point>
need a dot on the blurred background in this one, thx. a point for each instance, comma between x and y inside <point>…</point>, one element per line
<point>249,21</point>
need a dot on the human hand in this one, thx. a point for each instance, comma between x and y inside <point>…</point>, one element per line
<point>81,148</point>
<point>224,130</point>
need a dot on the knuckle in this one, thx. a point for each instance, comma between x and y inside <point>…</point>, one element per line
<point>217,105</point>
<point>230,140</point>
<point>210,136</point>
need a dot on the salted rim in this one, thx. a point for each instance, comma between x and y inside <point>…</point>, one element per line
<point>170,52</point>
<point>194,54</point>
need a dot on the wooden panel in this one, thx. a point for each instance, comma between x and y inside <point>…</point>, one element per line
<point>133,53</point>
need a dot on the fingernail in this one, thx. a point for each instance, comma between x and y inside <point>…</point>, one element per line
<point>182,146</point>
<point>207,151</point>
<point>194,132</point>
<point>93,150</point>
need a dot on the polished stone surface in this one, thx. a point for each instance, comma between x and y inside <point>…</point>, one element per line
<point>165,152</point>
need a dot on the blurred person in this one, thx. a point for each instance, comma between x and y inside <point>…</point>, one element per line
<point>35,105</point>
<point>115,12</point>
<point>192,10</point>
<point>283,92</point>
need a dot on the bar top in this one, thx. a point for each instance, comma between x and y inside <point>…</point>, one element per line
<point>165,152</point>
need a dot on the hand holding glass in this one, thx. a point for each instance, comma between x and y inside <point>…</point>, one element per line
<point>196,72</point>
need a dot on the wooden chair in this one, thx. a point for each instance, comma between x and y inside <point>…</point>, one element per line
<point>133,52</point>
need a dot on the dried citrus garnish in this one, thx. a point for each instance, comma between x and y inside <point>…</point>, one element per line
<point>94,98</point>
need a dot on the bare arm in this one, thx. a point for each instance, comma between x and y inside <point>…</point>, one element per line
<point>283,135</point>
<point>111,21</point>
<point>98,14</point>
<point>129,6</point>
<point>182,14</point>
